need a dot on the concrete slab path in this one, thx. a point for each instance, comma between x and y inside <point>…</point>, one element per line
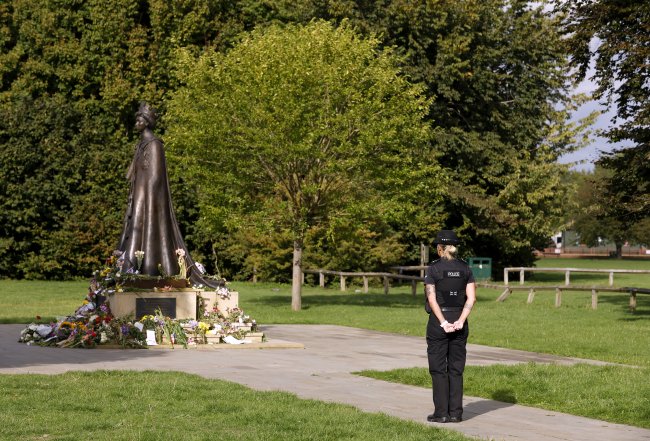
<point>323,371</point>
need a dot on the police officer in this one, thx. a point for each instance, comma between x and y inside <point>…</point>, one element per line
<point>450,294</point>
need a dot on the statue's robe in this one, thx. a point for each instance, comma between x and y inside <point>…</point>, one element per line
<point>149,223</point>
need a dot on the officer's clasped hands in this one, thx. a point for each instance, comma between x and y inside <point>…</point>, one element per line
<point>452,327</point>
<point>447,327</point>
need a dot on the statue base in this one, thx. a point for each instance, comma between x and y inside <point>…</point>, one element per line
<point>180,304</point>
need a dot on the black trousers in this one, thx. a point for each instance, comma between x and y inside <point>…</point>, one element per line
<point>447,353</point>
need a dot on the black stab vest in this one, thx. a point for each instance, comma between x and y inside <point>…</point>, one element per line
<point>451,277</point>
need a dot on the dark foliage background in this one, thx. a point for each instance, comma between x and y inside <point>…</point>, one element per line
<point>72,73</point>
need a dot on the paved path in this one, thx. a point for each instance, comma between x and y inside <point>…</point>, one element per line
<point>323,371</point>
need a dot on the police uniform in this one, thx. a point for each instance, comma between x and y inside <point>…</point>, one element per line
<point>446,351</point>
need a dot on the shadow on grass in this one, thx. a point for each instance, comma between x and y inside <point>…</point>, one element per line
<point>576,278</point>
<point>397,300</point>
<point>504,395</point>
<point>391,300</point>
<point>622,301</point>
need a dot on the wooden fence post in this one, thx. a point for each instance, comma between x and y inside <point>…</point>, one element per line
<point>504,295</point>
<point>505,276</point>
<point>531,295</point>
<point>365,284</point>
<point>594,299</point>
<point>414,287</point>
<point>632,300</point>
<point>521,276</point>
<point>558,297</point>
<point>386,285</point>
<point>611,278</point>
<point>321,279</point>
<point>567,277</point>
<point>342,283</point>
<point>424,257</point>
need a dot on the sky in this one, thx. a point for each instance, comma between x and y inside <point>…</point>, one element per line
<point>585,157</point>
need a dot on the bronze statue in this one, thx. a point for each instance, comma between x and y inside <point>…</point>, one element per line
<point>151,242</point>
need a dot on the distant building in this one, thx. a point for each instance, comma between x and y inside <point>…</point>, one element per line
<point>568,244</point>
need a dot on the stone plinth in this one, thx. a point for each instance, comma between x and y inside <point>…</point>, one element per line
<point>212,299</point>
<point>123,304</point>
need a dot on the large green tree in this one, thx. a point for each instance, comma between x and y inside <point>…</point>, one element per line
<point>304,126</point>
<point>497,74</point>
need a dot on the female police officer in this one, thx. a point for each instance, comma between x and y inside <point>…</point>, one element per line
<point>450,294</point>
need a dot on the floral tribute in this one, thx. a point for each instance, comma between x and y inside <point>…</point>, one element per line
<point>93,324</point>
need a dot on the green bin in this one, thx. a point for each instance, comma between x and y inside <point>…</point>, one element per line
<point>481,267</point>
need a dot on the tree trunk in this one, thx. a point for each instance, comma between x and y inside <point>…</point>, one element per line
<point>296,285</point>
<point>619,250</point>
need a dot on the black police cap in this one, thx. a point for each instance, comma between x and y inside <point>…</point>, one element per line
<point>446,237</point>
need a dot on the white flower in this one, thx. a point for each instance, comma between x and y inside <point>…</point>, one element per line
<point>200,267</point>
<point>180,252</point>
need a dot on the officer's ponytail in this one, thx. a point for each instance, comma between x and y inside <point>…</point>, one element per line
<point>447,252</point>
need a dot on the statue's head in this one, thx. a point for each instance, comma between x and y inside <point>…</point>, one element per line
<point>148,113</point>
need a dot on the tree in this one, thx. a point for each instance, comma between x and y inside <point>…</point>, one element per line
<point>302,126</point>
<point>497,75</point>
<point>614,36</point>
<point>596,216</point>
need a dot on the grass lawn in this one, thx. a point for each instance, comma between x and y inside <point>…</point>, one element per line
<point>22,300</point>
<point>609,393</point>
<point>150,406</point>
<point>609,333</point>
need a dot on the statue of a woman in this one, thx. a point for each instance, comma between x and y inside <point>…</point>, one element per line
<point>151,240</point>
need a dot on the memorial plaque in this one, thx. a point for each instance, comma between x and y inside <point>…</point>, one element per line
<point>148,306</point>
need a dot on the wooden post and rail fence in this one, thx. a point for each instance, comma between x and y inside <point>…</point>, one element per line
<point>343,275</point>
<point>508,289</point>
<point>567,273</point>
<point>567,284</point>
